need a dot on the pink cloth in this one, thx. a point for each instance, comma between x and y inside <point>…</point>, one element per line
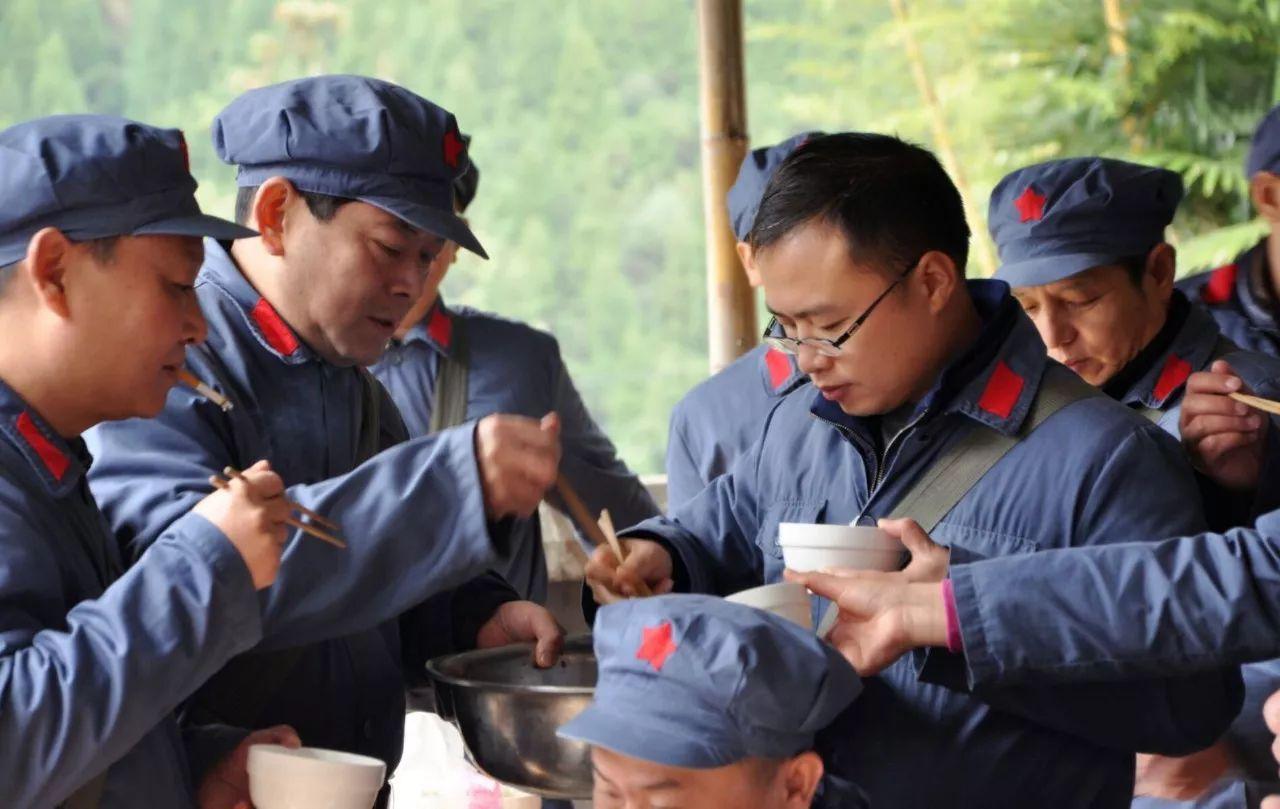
<point>955,641</point>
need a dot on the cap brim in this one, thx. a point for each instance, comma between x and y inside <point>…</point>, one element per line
<point>444,224</point>
<point>198,225</point>
<point>673,744</point>
<point>1036,272</point>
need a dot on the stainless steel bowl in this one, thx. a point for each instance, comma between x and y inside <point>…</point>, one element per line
<point>508,711</point>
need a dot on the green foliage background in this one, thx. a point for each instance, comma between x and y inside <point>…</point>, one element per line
<point>585,122</point>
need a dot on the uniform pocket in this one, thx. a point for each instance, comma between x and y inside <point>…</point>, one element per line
<point>786,511</point>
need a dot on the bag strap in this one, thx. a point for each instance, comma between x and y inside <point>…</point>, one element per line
<point>450,406</point>
<point>967,460</point>
<point>88,796</point>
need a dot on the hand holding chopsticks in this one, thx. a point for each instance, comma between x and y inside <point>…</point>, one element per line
<point>600,532</point>
<point>231,472</point>
<point>1257,403</point>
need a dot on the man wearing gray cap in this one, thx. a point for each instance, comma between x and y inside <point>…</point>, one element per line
<point>349,182</point>
<point>99,247</point>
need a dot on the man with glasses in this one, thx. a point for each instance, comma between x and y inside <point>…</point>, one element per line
<point>860,243</point>
<point>721,417</point>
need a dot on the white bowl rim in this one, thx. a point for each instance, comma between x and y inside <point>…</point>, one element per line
<point>357,771</point>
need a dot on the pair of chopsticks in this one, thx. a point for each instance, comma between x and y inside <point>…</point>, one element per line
<point>220,482</point>
<point>192,381</point>
<point>600,532</point>
<point>1257,403</point>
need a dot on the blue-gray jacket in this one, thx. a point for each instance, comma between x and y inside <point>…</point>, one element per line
<point>1236,295</point>
<point>514,368</point>
<point>413,517</point>
<point>1092,473</point>
<point>94,660</point>
<point>721,417</point>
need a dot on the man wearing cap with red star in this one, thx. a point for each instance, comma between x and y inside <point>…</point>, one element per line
<point>99,247</point>
<point>349,182</point>
<point>861,242</point>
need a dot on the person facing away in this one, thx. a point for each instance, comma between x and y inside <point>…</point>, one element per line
<point>447,365</point>
<point>347,179</point>
<point>702,701</point>
<point>860,241</point>
<point>722,416</point>
<point>99,247</point>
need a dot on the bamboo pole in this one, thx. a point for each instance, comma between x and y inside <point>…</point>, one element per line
<point>1118,45</point>
<point>942,136</point>
<point>731,315</point>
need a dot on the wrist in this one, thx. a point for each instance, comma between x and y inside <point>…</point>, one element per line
<point>925,615</point>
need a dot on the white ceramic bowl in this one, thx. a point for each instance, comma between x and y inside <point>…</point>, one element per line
<point>809,546</point>
<point>311,778</point>
<point>787,599</point>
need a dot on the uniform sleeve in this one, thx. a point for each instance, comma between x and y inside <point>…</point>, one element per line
<point>77,697</point>
<point>684,478</point>
<point>712,537</point>
<point>589,460</point>
<point>1169,715</point>
<point>413,517</point>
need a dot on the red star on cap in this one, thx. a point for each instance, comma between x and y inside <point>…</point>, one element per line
<point>453,148</point>
<point>657,645</point>
<point>1030,205</point>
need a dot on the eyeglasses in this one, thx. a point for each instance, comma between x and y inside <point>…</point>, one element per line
<point>825,347</point>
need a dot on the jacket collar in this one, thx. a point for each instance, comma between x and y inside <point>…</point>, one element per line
<point>1191,350</point>
<point>259,317</point>
<point>434,330</point>
<point>58,463</point>
<point>994,383</point>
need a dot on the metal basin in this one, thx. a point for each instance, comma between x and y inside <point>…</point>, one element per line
<point>508,711</point>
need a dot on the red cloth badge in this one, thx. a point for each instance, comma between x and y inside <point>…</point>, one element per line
<point>1030,205</point>
<point>1002,391</point>
<point>1175,373</point>
<point>1221,283</point>
<point>779,365</point>
<point>278,335</point>
<point>657,645</point>
<point>50,455</point>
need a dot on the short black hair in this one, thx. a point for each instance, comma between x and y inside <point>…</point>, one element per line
<point>1136,267</point>
<point>322,206</point>
<point>891,199</point>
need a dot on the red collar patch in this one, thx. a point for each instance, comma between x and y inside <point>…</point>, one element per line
<point>1172,376</point>
<point>1220,286</point>
<point>277,333</point>
<point>186,156</point>
<point>453,148</point>
<point>50,456</point>
<point>657,645</point>
<point>1030,205</point>
<point>1002,391</point>
<point>779,365</point>
<point>440,327</point>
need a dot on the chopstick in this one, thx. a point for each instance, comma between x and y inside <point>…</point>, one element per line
<point>578,510</point>
<point>1257,403</point>
<point>232,472</point>
<point>192,381</point>
<point>606,527</point>
<point>306,528</point>
<point>600,533</point>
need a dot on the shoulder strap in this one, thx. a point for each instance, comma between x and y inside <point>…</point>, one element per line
<point>450,406</point>
<point>966,461</point>
<point>88,796</point>
<point>369,441</point>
